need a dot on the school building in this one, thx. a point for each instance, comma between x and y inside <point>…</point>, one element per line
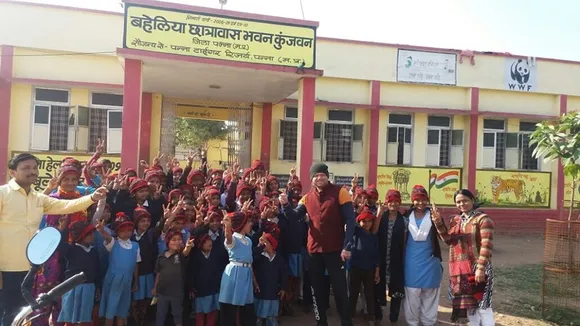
<point>398,115</point>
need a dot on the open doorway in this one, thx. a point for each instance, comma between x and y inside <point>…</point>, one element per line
<point>219,130</point>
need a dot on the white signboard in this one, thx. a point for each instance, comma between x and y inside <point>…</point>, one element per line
<point>426,67</point>
<point>520,74</point>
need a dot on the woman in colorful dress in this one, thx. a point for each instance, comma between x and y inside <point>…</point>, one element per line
<point>52,272</point>
<point>470,237</point>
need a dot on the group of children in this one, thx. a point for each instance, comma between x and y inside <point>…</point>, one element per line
<point>200,239</point>
<point>207,241</point>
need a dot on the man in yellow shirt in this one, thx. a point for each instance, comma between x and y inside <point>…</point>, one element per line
<point>21,209</point>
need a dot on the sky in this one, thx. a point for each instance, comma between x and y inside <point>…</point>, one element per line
<point>537,28</point>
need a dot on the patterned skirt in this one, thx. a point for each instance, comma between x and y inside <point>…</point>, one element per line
<point>486,301</point>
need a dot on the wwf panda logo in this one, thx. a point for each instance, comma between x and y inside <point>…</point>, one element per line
<point>520,71</point>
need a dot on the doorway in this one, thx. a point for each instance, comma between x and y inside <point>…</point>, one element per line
<point>222,129</point>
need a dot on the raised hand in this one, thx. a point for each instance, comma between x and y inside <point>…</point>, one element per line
<point>253,179</point>
<point>100,146</point>
<point>144,164</point>
<point>354,182</point>
<point>100,226</point>
<point>158,158</point>
<point>53,183</point>
<point>361,206</point>
<point>227,222</point>
<point>283,198</point>
<point>158,192</point>
<point>189,243</point>
<point>99,194</point>
<point>382,208</point>
<point>435,215</point>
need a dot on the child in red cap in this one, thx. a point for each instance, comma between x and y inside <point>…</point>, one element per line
<point>206,273</point>
<point>238,282</point>
<point>170,281</point>
<point>77,304</point>
<point>121,277</point>
<point>423,270</point>
<point>391,228</point>
<point>364,264</point>
<point>146,237</point>
<point>271,275</point>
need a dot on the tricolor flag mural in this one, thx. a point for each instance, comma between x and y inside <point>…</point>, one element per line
<point>442,183</point>
<point>443,180</point>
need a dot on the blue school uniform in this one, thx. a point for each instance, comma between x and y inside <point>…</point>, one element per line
<point>205,279</point>
<point>102,252</point>
<point>236,284</point>
<point>117,285</point>
<point>148,252</point>
<point>78,303</point>
<point>271,274</point>
<point>422,269</point>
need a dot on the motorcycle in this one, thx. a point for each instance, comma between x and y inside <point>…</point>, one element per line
<point>39,250</point>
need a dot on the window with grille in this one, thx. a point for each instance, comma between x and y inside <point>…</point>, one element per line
<point>527,161</point>
<point>60,127</point>
<point>288,141</point>
<point>338,139</point>
<point>50,123</point>
<point>493,144</point>
<point>399,132</point>
<point>508,150</point>
<point>288,135</point>
<point>343,140</point>
<point>444,145</point>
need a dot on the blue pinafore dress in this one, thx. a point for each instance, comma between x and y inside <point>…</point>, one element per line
<point>237,286</point>
<point>117,285</point>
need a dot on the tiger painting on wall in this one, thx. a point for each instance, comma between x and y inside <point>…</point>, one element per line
<point>504,186</point>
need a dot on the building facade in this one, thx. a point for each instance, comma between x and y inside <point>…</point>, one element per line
<point>396,115</point>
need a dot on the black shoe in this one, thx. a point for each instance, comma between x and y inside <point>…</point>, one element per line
<point>393,318</point>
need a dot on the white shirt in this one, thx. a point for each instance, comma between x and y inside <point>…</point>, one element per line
<point>213,235</point>
<point>125,244</point>
<point>236,237</point>
<point>265,254</point>
<point>87,249</point>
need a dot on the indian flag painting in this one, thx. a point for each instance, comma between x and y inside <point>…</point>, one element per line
<point>443,180</point>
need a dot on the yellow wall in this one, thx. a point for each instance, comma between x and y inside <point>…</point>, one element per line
<point>20,117</point>
<point>518,102</point>
<point>343,90</point>
<point>412,95</point>
<point>36,64</point>
<point>573,103</point>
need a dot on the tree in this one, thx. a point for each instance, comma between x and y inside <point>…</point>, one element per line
<point>195,133</point>
<point>560,140</point>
